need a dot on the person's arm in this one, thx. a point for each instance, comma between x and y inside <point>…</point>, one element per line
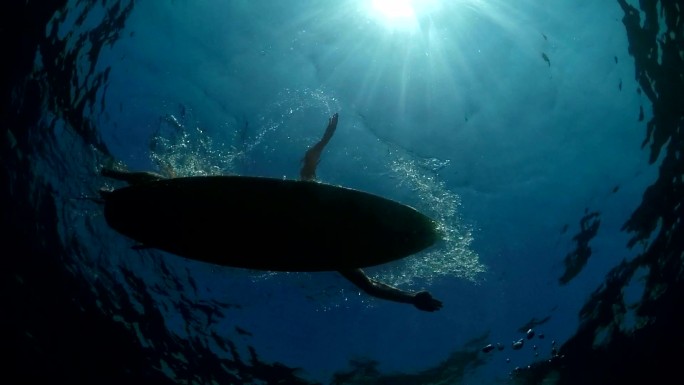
<point>422,300</point>
<point>313,155</point>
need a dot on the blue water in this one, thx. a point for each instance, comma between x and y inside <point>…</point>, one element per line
<point>508,123</point>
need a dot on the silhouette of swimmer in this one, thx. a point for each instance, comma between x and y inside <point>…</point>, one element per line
<point>422,300</point>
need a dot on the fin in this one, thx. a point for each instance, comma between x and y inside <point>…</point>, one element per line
<point>99,201</point>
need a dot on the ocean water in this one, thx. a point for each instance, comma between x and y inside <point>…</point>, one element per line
<point>545,137</point>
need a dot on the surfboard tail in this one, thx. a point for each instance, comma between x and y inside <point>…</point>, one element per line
<point>104,194</point>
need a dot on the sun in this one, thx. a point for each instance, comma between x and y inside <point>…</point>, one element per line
<point>394,9</point>
<point>402,15</point>
<point>394,14</point>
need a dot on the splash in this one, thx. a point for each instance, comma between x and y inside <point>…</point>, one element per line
<point>179,150</point>
<point>181,147</point>
<point>455,256</point>
<point>276,124</point>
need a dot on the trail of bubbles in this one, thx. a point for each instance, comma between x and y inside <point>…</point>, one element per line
<point>454,257</point>
<point>180,147</point>
<point>179,150</point>
<point>288,104</point>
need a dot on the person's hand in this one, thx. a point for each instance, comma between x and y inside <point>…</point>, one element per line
<point>424,301</point>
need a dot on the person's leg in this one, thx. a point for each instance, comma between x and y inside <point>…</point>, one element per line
<point>313,155</point>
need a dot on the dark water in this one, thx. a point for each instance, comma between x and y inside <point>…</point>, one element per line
<point>79,306</point>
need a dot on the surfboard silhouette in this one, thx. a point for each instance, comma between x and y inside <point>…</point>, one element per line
<point>268,224</point>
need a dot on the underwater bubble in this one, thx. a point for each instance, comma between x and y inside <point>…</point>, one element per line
<point>517,345</point>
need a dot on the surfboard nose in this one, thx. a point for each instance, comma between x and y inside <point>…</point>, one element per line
<point>425,233</point>
<point>431,233</point>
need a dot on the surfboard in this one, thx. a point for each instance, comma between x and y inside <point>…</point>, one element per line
<point>268,224</point>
